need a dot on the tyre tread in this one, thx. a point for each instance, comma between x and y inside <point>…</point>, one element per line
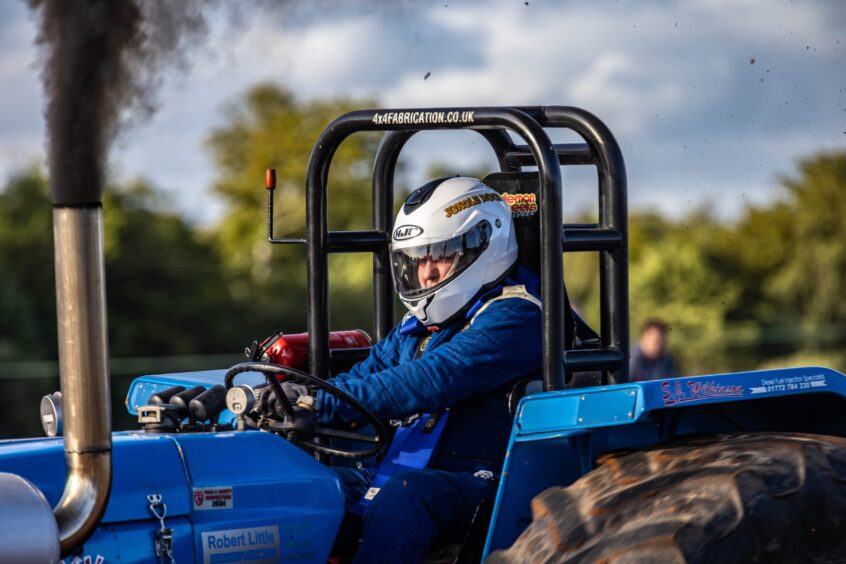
<point>753,497</point>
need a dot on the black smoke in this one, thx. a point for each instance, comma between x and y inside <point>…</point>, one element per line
<point>101,66</point>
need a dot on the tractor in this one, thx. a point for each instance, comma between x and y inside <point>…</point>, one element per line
<point>716,468</point>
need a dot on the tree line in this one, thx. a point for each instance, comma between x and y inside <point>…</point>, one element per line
<point>764,289</point>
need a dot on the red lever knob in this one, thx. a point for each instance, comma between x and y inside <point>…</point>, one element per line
<point>270,179</point>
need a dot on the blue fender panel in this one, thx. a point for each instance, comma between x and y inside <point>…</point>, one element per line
<point>557,436</point>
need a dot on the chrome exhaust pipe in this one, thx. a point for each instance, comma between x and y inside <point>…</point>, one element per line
<point>83,369</point>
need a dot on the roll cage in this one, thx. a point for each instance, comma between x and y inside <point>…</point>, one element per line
<point>608,237</point>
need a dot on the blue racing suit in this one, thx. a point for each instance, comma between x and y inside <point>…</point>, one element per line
<point>467,366</point>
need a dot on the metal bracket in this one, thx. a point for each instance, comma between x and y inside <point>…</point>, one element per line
<point>164,536</point>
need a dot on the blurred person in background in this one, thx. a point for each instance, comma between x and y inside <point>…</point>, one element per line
<point>650,358</point>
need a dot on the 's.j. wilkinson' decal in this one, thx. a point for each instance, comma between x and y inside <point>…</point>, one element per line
<point>692,390</point>
<point>422,118</point>
<point>404,232</point>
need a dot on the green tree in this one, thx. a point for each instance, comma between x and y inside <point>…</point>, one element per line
<point>811,283</point>
<point>799,264</point>
<point>270,128</point>
<point>677,275</point>
<point>752,251</point>
<point>27,291</point>
<point>167,291</point>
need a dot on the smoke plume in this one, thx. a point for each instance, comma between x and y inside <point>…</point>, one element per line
<point>101,68</point>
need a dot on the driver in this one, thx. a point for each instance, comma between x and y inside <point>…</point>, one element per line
<point>473,329</point>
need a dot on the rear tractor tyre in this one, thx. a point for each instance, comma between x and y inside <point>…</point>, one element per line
<point>759,497</point>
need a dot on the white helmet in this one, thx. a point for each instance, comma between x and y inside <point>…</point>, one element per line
<point>452,238</point>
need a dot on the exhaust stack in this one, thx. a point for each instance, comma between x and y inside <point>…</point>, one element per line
<point>83,365</point>
<point>100,59</point>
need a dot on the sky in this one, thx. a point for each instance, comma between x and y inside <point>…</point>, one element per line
<point>711,100</point>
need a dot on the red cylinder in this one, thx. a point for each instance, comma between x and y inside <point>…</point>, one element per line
<point>292,350</point>
<point>270,179</point>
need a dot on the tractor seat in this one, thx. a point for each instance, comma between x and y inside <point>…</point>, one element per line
<point>522,192</point>
<point>520,389</point>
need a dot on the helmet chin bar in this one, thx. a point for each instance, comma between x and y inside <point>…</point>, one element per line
<point>418,308</point>
<point>421,307</point>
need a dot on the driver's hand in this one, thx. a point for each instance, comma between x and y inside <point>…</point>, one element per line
<point>294,392</point>
<point>268,404</point>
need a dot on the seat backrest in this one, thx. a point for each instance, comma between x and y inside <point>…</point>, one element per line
<point>522,192</point>
<point>522,388</point>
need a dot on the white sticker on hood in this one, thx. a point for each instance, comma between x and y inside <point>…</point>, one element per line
<point>213,498</point>
<point>252,544</point>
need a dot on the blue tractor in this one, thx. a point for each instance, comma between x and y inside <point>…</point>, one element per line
<point>719,468</point>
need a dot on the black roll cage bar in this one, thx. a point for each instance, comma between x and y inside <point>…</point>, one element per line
<point>609,236</point>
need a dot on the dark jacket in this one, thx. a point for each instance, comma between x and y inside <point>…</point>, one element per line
<point>643,368</point>
<point>468,366</point>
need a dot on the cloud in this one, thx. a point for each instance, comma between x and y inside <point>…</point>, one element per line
<point>21,127</point>
<point>674,80</point>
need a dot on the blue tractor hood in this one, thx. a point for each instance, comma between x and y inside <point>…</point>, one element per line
<point>148,464</point>
<point>230,497</point>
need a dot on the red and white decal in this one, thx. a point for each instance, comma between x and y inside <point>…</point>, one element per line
<point>522,205</point>
<point>213,498</point>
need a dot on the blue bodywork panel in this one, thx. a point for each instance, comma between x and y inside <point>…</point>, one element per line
<point>557,436</point>
<point>277,502</point>
<point>254,497</point>
<point>231,496</point>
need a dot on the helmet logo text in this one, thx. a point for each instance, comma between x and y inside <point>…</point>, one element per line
<point>521,204</point>
<point>404,232</point>
<point>469,202</point>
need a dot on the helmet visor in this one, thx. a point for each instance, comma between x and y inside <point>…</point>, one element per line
<point>420,271</point>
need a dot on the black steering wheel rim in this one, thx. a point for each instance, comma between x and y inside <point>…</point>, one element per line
<point>269,370</point>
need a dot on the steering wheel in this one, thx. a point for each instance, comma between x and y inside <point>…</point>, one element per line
<point>293,414</point>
